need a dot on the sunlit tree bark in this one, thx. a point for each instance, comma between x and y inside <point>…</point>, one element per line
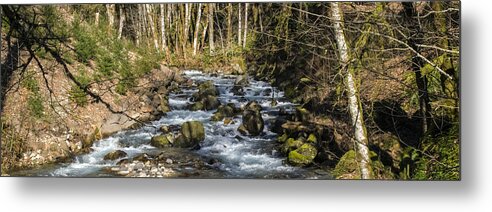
<point>355,106</point>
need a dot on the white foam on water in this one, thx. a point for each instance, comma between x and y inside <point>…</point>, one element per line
<point>239,156</point>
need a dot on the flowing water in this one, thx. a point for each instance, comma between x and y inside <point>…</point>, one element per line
<point>234,155</point>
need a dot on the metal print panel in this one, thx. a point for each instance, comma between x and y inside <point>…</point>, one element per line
<point>304,90</point>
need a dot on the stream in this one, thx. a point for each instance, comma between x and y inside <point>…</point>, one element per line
<point>233,155</point>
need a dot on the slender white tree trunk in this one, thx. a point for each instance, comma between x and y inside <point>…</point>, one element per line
<point>239,28</point>
<point>122,20</point>
<point>229,24</point>
<point>110,12</point>
<point>211,27</point>
<point>97,18</point>
<point>152,28</point>
<point>163,30</point>
<point>197,28</point>
<point>245,24</point>
<point>169,40</point>
<point>354,103</point>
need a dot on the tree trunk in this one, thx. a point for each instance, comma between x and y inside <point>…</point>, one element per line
<point>239,28</point>
<point>417,64</point>
<point>204,34</point>
<point>122,20</point>
<point>152,27</point>
<point>97,18</point>
<point>137,24</point>
<point>229,25</point>
<point>197,28</point>
<point>245,24</point>
<point>163,32</point>
<point>110,12</point>
<point>355,106</point>
<point>211,27</point>
<point>168,34</point>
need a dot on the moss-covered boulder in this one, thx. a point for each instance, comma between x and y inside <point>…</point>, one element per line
<point>290,145</point>
<point>164,105</point>
<point>252,124</point>
<point>348,167</point>
<point>192,133</point>
<point>205,89</point>
<point>283,138</point>
<point>196,106</point>
<point>160,141</point>
<point>302,156</point>
<point>224,111</point>
<point>115,155</point>
<point>210,102</point>
<point>253,105</point>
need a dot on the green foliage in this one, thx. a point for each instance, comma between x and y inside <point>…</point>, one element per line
<point>77,94</point>
<point>438,158</point>
<point>34,100</point>
<point>85,44</point>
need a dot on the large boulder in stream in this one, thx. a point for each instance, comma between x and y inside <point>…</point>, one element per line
<point>225,111</point>
<point>115,123</point>
<point>252,124</point>
<point>161,141</point>
<point>115,155</point>
<point>205,89</point>
<point>192,133</point>
<point>303,155</point>
<point>206,97</point>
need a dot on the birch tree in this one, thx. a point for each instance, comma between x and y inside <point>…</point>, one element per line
<point>239,24</point>
<point>355,106</point>
<point>152,27</point>
<point>211,27</point>
<point>245,24</point>
<point>122,21</point>
<point>110,12</point>
<point>163,31</point>
<point>197,28</point>
<point>229,24</point>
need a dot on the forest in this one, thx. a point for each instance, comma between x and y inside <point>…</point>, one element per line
<point>305,90</point>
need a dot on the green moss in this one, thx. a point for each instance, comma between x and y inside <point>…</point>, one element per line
<point>312,138</point>
<point>302,156</point>
<point>283,138</point>
<point>347,166</point>
<point>160,141</point>
<point>291,144</point>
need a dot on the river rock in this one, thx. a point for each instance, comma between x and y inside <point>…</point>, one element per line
<point>164,128</point>
<point>196,106</point>
<point>192,133</point>
<point>205,89</point>
<point>164,105</point>
<point>224,111</point>
<point>115,123</point>
<point>160,141</point>
<point>303,156</point>
<point>252,123</point>
<point>115,155</point>
<point>290,145</point>
<point>210,102</point>
<point>241,80</point>
<point>253,105</point>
